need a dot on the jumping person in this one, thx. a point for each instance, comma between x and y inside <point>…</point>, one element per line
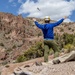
<point>48,35</point>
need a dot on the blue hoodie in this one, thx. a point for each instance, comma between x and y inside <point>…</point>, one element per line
<point>47,29</point>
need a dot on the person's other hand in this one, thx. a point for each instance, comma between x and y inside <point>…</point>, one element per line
<point>34,19</point>
<point>65,17</point>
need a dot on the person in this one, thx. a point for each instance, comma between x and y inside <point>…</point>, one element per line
<point>48,34</point>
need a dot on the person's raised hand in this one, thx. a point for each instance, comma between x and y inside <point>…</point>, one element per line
<point>65,17</point>
<point>34,19</point>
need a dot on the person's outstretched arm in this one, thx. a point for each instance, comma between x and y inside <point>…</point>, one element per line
<point>59,22</point>
<point>38,25</point>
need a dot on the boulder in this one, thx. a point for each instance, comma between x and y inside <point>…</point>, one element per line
<point>65,58</point>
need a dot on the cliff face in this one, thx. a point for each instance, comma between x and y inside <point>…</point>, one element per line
<point>17,34</point>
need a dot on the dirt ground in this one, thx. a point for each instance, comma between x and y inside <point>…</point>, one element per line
<point>67,68</point>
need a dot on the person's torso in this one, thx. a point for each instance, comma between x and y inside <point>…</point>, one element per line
<point>48,31</point>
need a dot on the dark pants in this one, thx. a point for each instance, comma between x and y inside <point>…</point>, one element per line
<point>47,45</point>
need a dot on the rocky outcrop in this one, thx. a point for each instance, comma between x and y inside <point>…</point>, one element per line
<point>65,58</point>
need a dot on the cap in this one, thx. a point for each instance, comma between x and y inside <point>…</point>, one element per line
<point>47,18</point>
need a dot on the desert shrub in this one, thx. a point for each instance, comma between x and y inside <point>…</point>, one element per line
<point>74,41</point>
<point>56,37</point>
<point>7,66</point>
<point>4,63</point>
<point>72,30</point>
<point>65,39</point>
<point>33,52</point>
<point>69,28</point>
<point>21,58</point>
<point>68,38</point>
<point>59,41</point>
<point>68,48</point>
<point>0,73</point>
<point>39,34</point>
<point>14,46</point>
<point>1,44</point>
<point>61,30</point>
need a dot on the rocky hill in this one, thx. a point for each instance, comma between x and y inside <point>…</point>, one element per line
<point>17,34</point>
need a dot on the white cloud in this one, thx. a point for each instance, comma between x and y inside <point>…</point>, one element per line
<point>53,8</point>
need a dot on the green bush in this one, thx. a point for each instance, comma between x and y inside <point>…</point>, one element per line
<point>69,28</point>
<point>61,30</point>
<point>65,39</point>
<point>4,63</point>
<point>68,38</point>
<point>34,52</point>
<point>0,73</point>
<point>7,66</point>
<point>21,58</point>
<point>1,44</point>
<point>68,48</point>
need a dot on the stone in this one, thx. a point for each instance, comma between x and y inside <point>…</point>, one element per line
<point>38,63</point>
<point>65,58</point>
<point>22,71</point>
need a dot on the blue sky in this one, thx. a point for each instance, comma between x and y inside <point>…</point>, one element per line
<point>56,9</point>
<point>10,7</point>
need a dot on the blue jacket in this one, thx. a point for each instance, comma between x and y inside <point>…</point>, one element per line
<point>47,29</point>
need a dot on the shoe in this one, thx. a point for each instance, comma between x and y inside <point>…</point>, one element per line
<point>57,61</point>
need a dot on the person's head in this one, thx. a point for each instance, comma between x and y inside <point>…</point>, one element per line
<point>47,19</point>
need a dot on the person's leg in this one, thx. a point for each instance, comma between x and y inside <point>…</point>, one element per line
<point>55,48</point>
<point>46,51</point>
<point>50,44</point>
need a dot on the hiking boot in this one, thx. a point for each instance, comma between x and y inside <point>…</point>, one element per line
<point>57,61</point>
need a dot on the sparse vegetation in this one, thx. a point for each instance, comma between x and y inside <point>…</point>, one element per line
<point>69,28</point>
<point>65,40</point>
<point>21,58</point>
<point>33,52</point>
<point>39,34</point>
<point>1,44</point>
<point>4,63</point>
<point>68,48</point>
<point>61,30</point>
<point>0,73</point>
<point>68,38</point>
<point>7,66</point>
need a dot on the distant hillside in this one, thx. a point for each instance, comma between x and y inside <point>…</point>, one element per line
<point>16,33</point>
